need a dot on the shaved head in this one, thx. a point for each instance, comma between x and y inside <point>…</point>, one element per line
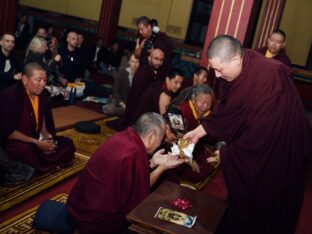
<point>225,48</point>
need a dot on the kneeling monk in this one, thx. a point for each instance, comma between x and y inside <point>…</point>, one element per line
<point>27,127</point>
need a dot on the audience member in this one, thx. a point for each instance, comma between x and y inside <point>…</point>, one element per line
<point>97,54</point>
<point>22,33</point>
<point>53,46</point>
<point>194,111</point>
<point>35,54</point>
<point>10,67</point>
<point>122,83</point>
<point>149,38</point>
<point>157,96</point>
<point>112,59</point>
<point>42,32</point>
<point>117,179</point>
<point>71,65</point>
<point>50,33</point>
<point>268,139</point>
<point>276,47</point>
<point>143,78</point>
<point>84,53</point>
<point>27,127</point>
<point>200,75</point>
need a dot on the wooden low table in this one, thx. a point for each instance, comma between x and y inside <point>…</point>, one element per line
<point>209,211</point>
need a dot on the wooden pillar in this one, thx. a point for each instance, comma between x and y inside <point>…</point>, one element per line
<point>270,20</point>
<point>8,12</point>
<point>108,23</point>
<point>229,17</point>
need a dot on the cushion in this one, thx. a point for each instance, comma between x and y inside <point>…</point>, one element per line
<point>53,216</point>
<point>87,127</point>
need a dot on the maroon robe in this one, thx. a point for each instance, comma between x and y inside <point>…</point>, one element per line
<point>18,115</point>
<point>142,79</point>
<point>282,56</point>
<point>115,181</point>
<point>162,42</point>
<point>200,152</point>
<point>262,120</point>
<point>149,101</point>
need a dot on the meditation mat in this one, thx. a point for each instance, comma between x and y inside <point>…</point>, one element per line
<point>13,195</point>
<point>86,144</point>
<point>65,117</point>
<point>22,223</point>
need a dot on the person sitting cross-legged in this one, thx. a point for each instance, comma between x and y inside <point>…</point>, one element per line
<point>27,127</point>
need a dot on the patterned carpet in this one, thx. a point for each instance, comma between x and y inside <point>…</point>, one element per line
<point>86,144</point>
<point>13,195</point>
<point>22,223</point>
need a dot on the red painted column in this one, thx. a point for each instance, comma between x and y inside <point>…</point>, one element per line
<point>229,17</point>
<point>8,12</point>
<point>270,20</point>
<point>108,23</point>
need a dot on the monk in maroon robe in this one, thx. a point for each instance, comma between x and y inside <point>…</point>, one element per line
<point>194,111</point>
<point>158,95</point>
<point>275,48</point>
<point>150,38</point>
<point>117,178</point>
<point>27,127</point>
<point>143,78</point>
<point>268,139</point>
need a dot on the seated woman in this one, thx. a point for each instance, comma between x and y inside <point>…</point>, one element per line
<point>122,82</point>
<point>194,111</point>
<point>35,53</point>
<point>158,95</point>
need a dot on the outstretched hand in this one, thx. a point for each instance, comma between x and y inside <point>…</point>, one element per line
<point>195,134</point>
<point>158,158</point>
<point>166,161</point>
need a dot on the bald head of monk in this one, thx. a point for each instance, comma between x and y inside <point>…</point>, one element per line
<point>225,56</point>
<point>156,58</point>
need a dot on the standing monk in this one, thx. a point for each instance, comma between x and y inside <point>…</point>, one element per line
<point>267,135</point>
<point>150,38</point>
<point>27,127</point>
<point>275,48</point>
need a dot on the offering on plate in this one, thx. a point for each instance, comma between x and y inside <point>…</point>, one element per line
<point>184,149</point>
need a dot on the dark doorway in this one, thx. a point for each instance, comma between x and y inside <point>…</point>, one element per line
<point>198,24</point>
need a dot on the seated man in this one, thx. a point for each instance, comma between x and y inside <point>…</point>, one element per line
<point>121,88</point>
<point>275,47</point>
<point>27,127</point>
<point>117,179</point>
<point>10,67</point>
<point>200,76</point>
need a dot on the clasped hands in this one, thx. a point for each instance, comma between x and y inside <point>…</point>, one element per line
<point>47,146</point>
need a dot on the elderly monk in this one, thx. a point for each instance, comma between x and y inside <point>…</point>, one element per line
<point>276,47</point>
<point>117,178</point>
<point>267,135</point>
<point>27,127</point>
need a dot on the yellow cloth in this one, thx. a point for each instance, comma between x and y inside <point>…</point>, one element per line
<point>268,54</point>
<point>35,105</point>
<point>196,114</point>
